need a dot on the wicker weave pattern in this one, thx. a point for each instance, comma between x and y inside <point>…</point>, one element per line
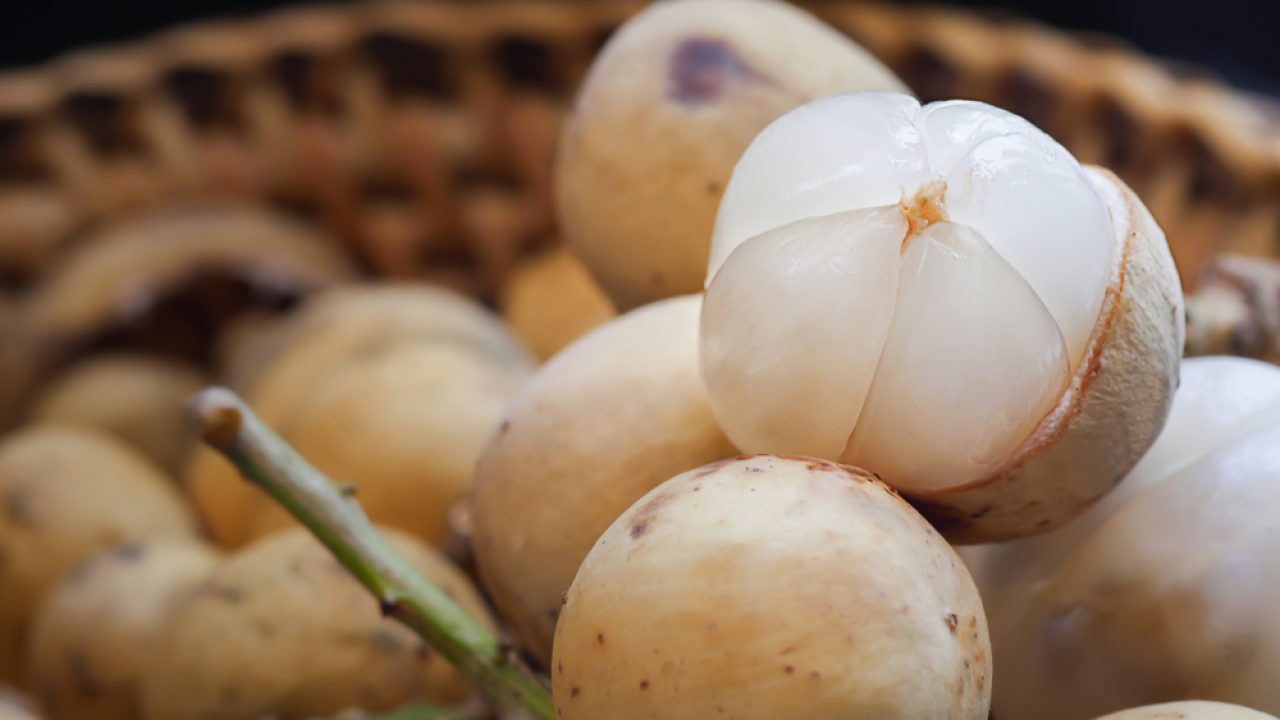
<point>422,133</point>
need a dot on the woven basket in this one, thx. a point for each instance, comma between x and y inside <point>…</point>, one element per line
<point>421,134</point>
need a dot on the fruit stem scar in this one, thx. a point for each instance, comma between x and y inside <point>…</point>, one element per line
<point>923,209</point>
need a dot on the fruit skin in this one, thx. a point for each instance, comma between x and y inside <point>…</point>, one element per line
<point>606,420</point>
<point>1189,710</point>
<point>68,492</point>
<point>292,363</point>
<point>551,300</point>
<point>333,325</point>
<point>93,632</point>
<point>135,398</point>
<point>1165,589</point>
<point>405,427</point>
<point>282,630</point>
<point>1112,411</point>
<point>666,110</point>
<point>767,587</point>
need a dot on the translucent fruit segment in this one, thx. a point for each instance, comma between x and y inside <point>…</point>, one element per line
<point>792,327</point>
<point>973,361</point>
<point>840,153</point>
<point>952,128</point>
<point>1034,205</point>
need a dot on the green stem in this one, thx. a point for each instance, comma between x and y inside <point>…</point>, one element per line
<point>331,513</point>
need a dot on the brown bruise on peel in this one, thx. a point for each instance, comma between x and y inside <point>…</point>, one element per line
<point>923,209</point>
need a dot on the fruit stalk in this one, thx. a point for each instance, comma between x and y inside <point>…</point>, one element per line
<point>334,516</point>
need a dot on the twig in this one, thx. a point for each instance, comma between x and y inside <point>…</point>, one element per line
<point>228,425</point>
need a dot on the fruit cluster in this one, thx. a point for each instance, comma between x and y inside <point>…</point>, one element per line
<point>894,423</point>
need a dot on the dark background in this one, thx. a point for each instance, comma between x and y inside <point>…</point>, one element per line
<point>1234,39</point>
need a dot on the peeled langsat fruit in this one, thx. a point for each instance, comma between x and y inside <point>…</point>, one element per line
<point>943,296</point>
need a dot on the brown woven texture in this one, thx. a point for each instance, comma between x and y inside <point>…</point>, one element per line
<point>422,133</point>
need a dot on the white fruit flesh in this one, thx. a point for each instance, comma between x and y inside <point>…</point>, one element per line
<point>907,289</point>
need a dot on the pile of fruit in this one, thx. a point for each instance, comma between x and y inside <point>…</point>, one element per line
<point>834,405</point>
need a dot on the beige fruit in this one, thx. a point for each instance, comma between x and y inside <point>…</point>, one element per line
<point>669,105</point>
<point>94,631</point>
<point>286,368</point>
<point>606,420</point>
<point>67,493</point>
<point>1189,710</point>
<point>337,324</point>
<point>404,427</point>
<point>1168,588</point>
<point>282,630</point>
<point>135,398</point>
<point>942,295</point>
<point>768,587</point>
<point>551,300</point>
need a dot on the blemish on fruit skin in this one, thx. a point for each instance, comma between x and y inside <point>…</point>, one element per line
<point>644,684</point>
<point>701,69</point>
<point>18,507</point>
<point>574,692</point>
<point>647,512</point>
<point>952,622</point>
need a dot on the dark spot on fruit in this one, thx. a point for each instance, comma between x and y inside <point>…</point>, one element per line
<point>226,593</point>
<point>554,613</point>
<point>600,638</point>
<point>973,621</point>
<point>575,692</point>
<point>980,513</point>
<point>952,622</point>
<point>560,667</point>
<point>788,650</point>
<point>504,427</point>
<point>755,469</point>
<point>18,506</point>
<point>385,642</point>
<point>130,552</point>
<point>713,187</point>
<point>789,669</point>
<point>815,674</point>
<point>644,684</point>
<point>82,675</point>
<point>647,513</point>
<point>701,69</point>
<point>657,279</point>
